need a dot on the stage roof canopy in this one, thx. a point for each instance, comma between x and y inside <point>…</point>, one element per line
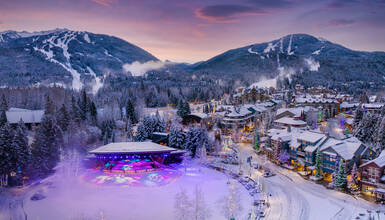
<point>132,148</point>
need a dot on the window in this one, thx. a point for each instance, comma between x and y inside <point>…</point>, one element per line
<point>373,172</point>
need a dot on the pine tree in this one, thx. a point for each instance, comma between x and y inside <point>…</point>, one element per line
<point>335,173</point>
<point>93,113</point>
<point>49,108</point>
<point>318,163</point>
<point>3,118</point>
<point>4,103</point>
<point>83,105</point>
<point>63,118</point>
<point>129,131</point>
<point>21,151</point>
<point>380,136</point>
<point>256,142</point>
<point>183,108</point>
<point>141,133</point>
<point>341,176</point>
<point>359,114</point>
<point>75,111</point>
<point>130,112</point>
<point>6,159</point>
<point>46,146</point>
<point>176,136</point>
<point>353,183</point>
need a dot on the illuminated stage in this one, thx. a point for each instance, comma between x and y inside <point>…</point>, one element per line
<point>134,164</point>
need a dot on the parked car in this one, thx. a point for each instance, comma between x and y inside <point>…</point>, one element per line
<point>268,173</point>
<point>255,165</point>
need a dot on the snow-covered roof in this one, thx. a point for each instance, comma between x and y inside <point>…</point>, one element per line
<point>311,137</point>
<point>200,115</point>
<point>379,161</point>
<point>28,116</point>
<point>296,111</point>
<point>348,105</point>
<point>132,147</point>
<point>290,121</point>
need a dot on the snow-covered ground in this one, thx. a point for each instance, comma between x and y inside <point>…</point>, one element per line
<point>293,197</point>
<point>70,197</point>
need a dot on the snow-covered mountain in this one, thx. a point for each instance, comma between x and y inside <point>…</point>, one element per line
<point>307,59</point>
<point>73,59</point>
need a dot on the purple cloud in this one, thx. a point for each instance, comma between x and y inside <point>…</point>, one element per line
<point>335,23</point>
<point>226,13</point>
<point>272,3</point>
<point>104,2</point>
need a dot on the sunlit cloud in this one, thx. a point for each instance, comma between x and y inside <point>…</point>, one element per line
<point>226,13</point>
<point>105,2</point>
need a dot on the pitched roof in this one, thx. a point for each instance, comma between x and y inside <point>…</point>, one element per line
<point>380,160</point>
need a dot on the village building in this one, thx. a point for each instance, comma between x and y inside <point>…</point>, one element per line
<point>31,118</point>
<point>372,177</point>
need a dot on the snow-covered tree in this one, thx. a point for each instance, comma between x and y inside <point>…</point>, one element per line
<point>196,137</point>
<point>358,115</point>
<point>46,146</point>
<point>318,163</point>
<point>6,159</point>
<point>176,136</point>
<point>20,149</point>
<point>231,203</point>
<point>63,118</point>
<point>4,103</point>
<point>141,133</point>
<point>341,176</point>
<point>380,136</point>
<point>183,108</point>
<point>130,112</point>
<point>3,118</point>
<point>201,210</point>
<point>183,206</point>
<point>353,183</point>
<point>129,136</point>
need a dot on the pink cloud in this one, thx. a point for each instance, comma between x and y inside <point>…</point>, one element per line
<point>105,2</point>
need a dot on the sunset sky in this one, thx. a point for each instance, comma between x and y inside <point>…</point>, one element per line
<point>195,30</point>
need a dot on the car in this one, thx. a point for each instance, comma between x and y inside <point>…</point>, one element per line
<point>268,174</point>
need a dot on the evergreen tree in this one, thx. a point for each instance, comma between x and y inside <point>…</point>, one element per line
<point>353,183</point>
<point>4,103</point>
<point>46,146</point>
<point>75,111</point>
<point>318,163</point>
<point>6,151</point>
<point>359,114</point>
<point>83,105</point>
<point>183,109</point>
<point>93,113</point>
<point>141,133</point>
<point>256,142</point>
<point>3,118</point>
<point>176,136</point>
<point>130,112</point>
<point>49,108</point>
<point>21,151</point>
<point>129,131</point>
<point>341,176</point>
<point>63,118</point>
<point>380,136</point>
